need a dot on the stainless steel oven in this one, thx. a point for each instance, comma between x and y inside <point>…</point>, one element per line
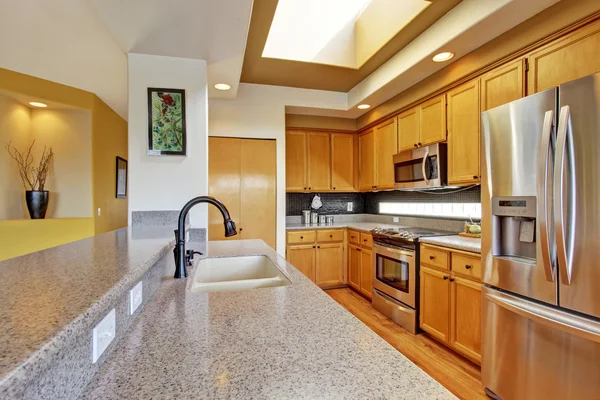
<point>422,168</point>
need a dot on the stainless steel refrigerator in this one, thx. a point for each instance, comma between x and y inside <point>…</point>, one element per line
<point>541,244</point>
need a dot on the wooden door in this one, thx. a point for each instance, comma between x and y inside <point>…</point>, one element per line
<point>354,267</point>
<point>342,162</point>
<point>258,218</point>
<point>503,85</point>
<point>319,161</point>
<point>303,258</point>
<point>366,156</point>
<point>295,161</point>
<point>435,298</point>
<point>366,273</point>
<point>432,117</point>
<point>465,306</point>
<point>386,140</point>
<point>330,264</point>
<point>224,183</point>
<point>408,129</point>
<point>570,57</point>
<point>463,133</point>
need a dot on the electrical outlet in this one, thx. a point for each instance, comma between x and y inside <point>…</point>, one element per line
<point>103,334</point>
<point>396,219</point>
<point>350,206</point>
<point>135,297</point>
<point>99,211</point>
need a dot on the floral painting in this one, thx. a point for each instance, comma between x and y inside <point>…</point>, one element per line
<point>166,121</point>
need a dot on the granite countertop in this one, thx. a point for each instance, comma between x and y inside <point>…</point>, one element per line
<point>455,242</point>
<point>283,342</point>
<point>359,226</point>
<point>48,297</point>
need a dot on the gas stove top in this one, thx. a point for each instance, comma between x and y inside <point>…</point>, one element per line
<point>404,234</point>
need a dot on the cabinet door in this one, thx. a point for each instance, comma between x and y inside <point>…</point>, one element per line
<point>330,264</point>
<point>465,307</point>
<point>503,85</point>
<point>408,129</point>
<point>366,273</point>
<point>354,267</point>
<point>435,298</point>
<point>319,161</point>
<point>224,183</point>
<point>432,121</point>
<point>342,162</point>
<point>570,57</point>
<point>386,143</point>
<point>303,258</point>
<point>295,165</point>
<point>366,155</point>
<point>463,133</point>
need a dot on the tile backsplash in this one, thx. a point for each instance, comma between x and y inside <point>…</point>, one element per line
<point>333,203</point>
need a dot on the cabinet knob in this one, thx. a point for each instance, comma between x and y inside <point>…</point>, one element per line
<point>309,188</point>
<point>415,145</point>
<point>314,247</point>
<point>451,279</point>
<point>357,249</point>
<point>304,188</point>
<point>351,237</point>
<point>334,188</point>
<point>475,177</point>
<point>431,257</point>
<point>419,144</point>
<point>468,266</point>
<point>318,247</point>
<point>301,237</point>
<point>445,277</point>
<point>330,236</point>
<point>241,229</point>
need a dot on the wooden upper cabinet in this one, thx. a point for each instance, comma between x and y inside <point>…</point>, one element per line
<point>503,85</point>
<point>465,306</point>
<point>366,160</point>
<point>570,57</point>
<point>408,129</point>
<point>435,295</point>
<point>386,144</point>
<point>295,166</point>
<point>319,161</point>
<point>432,117</point>
<point>342,162</point>
<point>463,133</point>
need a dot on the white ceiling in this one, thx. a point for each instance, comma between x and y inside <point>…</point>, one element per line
<point>211,30</point>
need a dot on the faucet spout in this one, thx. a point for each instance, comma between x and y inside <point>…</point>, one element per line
<point>182,259</point>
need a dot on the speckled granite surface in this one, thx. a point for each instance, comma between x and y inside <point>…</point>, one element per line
<point>291,342</point>
<point>455,242</point>
<point>51,299</point>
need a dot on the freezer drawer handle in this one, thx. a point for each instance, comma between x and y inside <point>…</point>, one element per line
<point>570,324</point>
<point>544,171</point>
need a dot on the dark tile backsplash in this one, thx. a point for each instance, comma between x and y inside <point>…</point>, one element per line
<point>368,203</point>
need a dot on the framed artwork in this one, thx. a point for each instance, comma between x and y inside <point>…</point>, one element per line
<point>166,122</point>
<point>121,178</point>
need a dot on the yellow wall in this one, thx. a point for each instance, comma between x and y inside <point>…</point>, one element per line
<point>24,236</point>
<point>109,139</point>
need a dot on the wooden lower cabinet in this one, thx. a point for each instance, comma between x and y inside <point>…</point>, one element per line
<point>366,273</point>
<point>354,257</point>
<point>330,261</point>
<point>435,293</point>
<point>465,310</point>
<point>303,258</point>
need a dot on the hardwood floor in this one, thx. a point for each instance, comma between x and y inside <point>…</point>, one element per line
<point>457,374</point>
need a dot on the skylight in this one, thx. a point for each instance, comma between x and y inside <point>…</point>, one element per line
<point>301,29</point>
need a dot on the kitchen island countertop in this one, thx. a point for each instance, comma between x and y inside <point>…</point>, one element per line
<point>289,342</point>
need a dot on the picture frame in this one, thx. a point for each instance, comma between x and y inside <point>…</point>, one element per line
<point>121,178</point>
<point>166,122</point>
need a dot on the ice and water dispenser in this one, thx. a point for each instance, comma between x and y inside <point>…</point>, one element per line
<point>514,227</point>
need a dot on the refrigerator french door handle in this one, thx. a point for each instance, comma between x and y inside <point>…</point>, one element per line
<point>542,195</point>
<point>425,157</point>
<point>564,155</point>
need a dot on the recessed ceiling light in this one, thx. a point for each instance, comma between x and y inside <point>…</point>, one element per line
<point>363,106</point>
<point>37,104</point>
<point>222,86</point>
<point>441,57</point>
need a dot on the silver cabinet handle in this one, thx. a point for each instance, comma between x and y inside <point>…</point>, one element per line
<point>564,156</point>
<point>545,171</point>
<point>423,167</point>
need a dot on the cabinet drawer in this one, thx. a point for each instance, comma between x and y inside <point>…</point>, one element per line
<point>366,240</point>
<point>301,237</point>
<point>466,265</point>
<point>353,236</point>
<point>330,235</point>
<point>434,257</point>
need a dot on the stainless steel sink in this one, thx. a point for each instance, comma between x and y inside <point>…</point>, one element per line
<point>236,273</point>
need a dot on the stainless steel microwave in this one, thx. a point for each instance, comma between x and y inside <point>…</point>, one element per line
<point>422,168</point>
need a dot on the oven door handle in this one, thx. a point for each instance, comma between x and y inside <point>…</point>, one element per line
<point>425,157</point>
<point>391,250</point>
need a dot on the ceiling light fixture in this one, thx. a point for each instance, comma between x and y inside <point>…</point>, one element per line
<point>222,86</point>
<point>37,104</point>
<point>363,106</point>
<point>441,57</point>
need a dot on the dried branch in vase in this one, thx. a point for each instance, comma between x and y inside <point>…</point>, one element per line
<point>34,178</point>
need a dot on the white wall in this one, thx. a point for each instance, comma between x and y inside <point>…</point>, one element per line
<point>259,112</point>
<point>66,42</point>
<point>168,182</point>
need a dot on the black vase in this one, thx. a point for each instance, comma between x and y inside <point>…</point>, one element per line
<point>37,203</point>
